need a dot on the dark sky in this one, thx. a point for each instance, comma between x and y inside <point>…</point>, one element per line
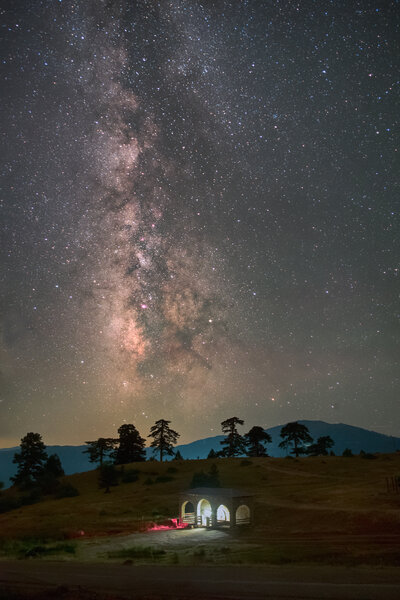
<point>199,215</point>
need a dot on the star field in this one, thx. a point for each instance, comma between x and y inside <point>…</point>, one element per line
<point>199,213</point>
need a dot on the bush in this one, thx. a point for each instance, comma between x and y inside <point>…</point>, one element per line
<point>7,504</point>
<point>163,479</point>
<point>245,463</point>
<point>367,455</point>
<point>108,476</point>
<point>34,496</point>
<point>210,479</point>
<point>347,453</point>
<point>32,551</point>
<point>66,490</point>
<point>130,476</point>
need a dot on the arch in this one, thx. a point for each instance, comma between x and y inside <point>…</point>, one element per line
<point>223,515</point>
<point>243,515</point>
<point>204,513</point>
<point>187,513</point>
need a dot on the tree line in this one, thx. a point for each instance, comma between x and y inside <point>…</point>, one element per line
<point>36,468</point>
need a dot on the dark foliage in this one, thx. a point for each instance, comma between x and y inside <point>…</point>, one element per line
<point>30,460</point>
<point>255,441</point>
<point>8,503</point>
<point>164,438</point>
<point>213,454</point>
<point>108,477</point>
<point>210,479</point>
<point>367,455</point>
<point>130,476</point>
<point>178,456</point>
<point>163,479</point>
<point>234,443</point>
<point>100,449</point>
<point>33,497</point>
<point>347,453</point>
<point>321,446</point>
<point>54,466</point>
<point>66,490</point>
<point>130,446</point>
<point>295,434</point>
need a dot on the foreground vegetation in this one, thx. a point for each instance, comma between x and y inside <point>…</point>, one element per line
<point>330,509</point>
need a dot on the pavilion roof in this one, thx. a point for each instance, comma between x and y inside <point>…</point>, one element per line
<point>217,491</point>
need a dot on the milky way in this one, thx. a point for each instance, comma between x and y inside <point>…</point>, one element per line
<point>200,216</point>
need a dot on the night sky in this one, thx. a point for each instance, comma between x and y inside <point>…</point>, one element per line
<point>199,215</point>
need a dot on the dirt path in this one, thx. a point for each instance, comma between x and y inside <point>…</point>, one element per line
<point>94,548</point>
<point>179,583</point>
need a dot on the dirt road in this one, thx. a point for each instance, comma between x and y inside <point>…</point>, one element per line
<point>211,583</point>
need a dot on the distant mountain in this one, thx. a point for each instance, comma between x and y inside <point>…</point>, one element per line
<point>345,436</point>
<point>72,459</point>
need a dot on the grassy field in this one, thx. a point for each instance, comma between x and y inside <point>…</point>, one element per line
<point>330,509</point>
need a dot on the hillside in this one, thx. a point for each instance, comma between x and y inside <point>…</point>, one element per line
<point>345,436</point>
<point>293,495</point>
<point>325,510</point>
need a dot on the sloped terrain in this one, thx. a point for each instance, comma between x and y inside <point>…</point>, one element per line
<point>306,509</point>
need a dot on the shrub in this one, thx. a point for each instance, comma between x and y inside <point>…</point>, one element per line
<point>245,463</point>
<point>210,479</point>
<point>7,504</point>
<point>163,479</point>
<point>108,477</point>
<point>347,453</point>
<point>34,496</point>
<point>66,490</point>
<point>130,476</point>
<point>367,455</point>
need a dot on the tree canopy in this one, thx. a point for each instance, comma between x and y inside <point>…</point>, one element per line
<point>31,460</point>
<point>131,446</point>
<point>321,446</point>
<point>99,449</point>
<point>255,441</point>
<point>296,435</point>
<point>164,438</point>
<point>234,443</point>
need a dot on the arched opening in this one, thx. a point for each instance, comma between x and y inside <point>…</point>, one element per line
<point>204,513</point>
<point>243,515</point>
<point>223,514</point>
<point>187,513</point>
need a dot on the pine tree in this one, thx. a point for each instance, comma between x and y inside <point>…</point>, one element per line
<point>256,439</point>
<point>48,480</point>
<point>321,446</point>
<point>295,434</point>
<point>99,449</point>
<point>30,460</point>
<point>164,438</point>
<point>178,456</point>
<point>131,446</point>
<point>212,454</point>
<point>54,466</point>
<point>234,443</point>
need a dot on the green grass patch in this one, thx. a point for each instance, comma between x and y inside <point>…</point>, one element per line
<point>31,548</point>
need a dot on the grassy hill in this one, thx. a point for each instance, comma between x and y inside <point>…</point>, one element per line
<point>307,499</point>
